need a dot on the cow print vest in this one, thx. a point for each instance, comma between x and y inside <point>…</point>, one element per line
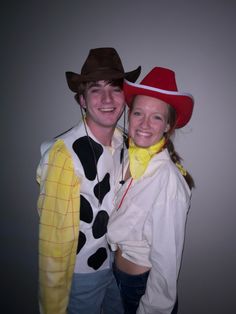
<point>97,171</point>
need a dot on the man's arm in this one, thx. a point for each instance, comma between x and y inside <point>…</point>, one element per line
<point>58,207</point>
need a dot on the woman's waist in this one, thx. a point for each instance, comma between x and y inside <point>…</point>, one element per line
<point>128,266</point>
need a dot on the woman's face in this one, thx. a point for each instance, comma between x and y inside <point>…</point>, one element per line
<point>148,120</point>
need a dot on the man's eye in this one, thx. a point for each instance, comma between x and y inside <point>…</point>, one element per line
<point>94,90</point>
<point>136,113</point>
<point>117,89</point>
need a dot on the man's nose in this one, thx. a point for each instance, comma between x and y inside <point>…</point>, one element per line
<point>107,96</point>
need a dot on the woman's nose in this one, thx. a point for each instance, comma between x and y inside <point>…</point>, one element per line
<point>145,122</point>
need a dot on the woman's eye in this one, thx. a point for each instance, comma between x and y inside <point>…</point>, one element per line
<point>158,118</point>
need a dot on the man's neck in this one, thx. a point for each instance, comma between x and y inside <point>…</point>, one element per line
<point>102,134</point>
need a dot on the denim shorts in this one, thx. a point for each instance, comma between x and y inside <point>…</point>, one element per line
<point>132,288</point>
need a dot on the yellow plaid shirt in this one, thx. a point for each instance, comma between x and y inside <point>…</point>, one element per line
<point>58,207</point>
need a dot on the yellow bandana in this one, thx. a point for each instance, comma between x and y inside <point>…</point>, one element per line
<point>139,157</point>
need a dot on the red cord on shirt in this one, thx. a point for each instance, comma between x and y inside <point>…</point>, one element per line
<point>125,193</point>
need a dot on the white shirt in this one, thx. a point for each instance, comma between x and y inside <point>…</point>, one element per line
<point>149,229</point>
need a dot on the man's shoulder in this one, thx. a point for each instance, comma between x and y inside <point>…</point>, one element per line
<point>72,132</point>
<point>47,145</point>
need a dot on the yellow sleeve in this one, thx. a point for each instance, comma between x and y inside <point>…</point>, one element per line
<point>58,207</point>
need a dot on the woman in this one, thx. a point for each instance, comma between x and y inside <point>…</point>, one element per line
<point>148,225</point>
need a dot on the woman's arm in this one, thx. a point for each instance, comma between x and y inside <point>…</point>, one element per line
<point>167,224</point>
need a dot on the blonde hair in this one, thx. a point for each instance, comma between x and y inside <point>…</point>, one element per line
<point>175,157</point>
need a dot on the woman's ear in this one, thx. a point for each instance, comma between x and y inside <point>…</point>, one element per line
<point>167,128</point>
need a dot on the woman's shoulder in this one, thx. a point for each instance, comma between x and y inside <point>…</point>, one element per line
<point>169,178</point>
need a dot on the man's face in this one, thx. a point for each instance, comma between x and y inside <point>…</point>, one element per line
<point>104,105</point>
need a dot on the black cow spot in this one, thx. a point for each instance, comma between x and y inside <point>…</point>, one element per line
<point>86,211</point>
<point>81,241</point>
<point>102,188</point>
<point>98,258</point>
<point>88,152</point>
<point>99,227</point>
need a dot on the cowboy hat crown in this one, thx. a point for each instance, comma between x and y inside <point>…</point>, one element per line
<point>101,64</point>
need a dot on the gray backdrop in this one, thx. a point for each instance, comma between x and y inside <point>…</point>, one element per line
<point>43,39</point>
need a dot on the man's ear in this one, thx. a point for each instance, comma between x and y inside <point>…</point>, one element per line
<point>82,101</point>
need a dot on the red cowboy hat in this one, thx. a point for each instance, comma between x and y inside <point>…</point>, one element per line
<point>160,83</point>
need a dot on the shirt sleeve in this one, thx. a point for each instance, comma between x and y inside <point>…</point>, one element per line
<point>58,207</point>
<point>167,222</point>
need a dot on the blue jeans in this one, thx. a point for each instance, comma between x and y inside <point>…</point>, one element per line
<point>95,293</point>
<point>132,288</point>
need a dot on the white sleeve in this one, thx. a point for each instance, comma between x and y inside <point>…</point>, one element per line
<point>44,149</point>
<point>167,225</point>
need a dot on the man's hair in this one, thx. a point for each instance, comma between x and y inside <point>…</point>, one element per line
<point>83,86</point>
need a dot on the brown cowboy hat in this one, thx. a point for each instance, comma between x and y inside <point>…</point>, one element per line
<point>101,64</point>
<point>160,83</point>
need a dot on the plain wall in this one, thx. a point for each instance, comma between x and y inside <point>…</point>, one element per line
<point>43,39</point>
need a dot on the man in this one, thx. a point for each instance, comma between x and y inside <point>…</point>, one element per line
<point>76,176</point>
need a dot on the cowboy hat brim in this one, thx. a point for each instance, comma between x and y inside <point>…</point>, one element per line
<point>181,102</point>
